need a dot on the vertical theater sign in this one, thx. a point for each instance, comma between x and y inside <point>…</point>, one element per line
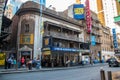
<point>88,16</point>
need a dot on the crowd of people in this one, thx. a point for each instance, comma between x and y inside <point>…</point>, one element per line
<point>11,63</point>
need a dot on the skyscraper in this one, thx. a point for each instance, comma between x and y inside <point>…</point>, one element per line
<point>117,18</point>
<point>106,10</point>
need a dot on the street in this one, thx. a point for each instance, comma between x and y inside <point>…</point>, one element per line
<point>88,73</point>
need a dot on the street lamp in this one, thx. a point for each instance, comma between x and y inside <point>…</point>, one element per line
<point>40,34</point>
<point>41,28</point>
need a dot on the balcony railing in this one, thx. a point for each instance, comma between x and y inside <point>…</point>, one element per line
<point>98,41</point>
<point>64,36</point>
<point>96,33</point>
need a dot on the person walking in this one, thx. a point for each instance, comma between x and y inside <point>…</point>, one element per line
<point>6,63</point>
<point>9,62</point>
<point>30,64</point>
<point>22,61</point>
<point>14,62</point>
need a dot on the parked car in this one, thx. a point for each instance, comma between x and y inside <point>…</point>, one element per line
<point>113,62</point>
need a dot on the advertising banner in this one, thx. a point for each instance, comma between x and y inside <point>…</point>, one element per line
<point>65,49</point>
<point>2,59</point>
<point>114,38</point>
<point>93,40</point>
<point>88,17</point>
<point>78,11</point>
<point>42,2</point>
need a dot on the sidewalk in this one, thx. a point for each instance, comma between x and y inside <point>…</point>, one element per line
<point>25,70</point>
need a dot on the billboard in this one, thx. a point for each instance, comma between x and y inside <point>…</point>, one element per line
<point>78,11</point>
<point>114,38</point>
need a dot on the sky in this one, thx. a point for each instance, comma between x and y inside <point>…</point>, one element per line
<point>60,5</point>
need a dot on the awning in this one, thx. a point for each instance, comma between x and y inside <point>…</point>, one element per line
<point>25,48</point>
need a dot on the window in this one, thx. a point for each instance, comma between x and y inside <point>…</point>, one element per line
<point>26,27</point>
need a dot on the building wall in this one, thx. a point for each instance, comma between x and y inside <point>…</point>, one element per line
<point>14,29</point>
<point>33,19</point>
<point>118,7</point>
<point>107,45</point>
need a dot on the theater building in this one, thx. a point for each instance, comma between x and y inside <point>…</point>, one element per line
<point>61,35</point>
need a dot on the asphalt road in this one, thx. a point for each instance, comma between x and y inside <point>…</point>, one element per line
<point>88,73</point>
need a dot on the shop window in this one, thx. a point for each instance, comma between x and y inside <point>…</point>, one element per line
<point>71,45</point>
<point>56,44</point>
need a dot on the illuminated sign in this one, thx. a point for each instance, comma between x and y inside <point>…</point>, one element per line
<point>78,11</point>
<point>46,49</point>
<point>114,38</point>
<point>88,17</point>
<point>65,49</point>
<point>46,52</point>
<point>60,49</point>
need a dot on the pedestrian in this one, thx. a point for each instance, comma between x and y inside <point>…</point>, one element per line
<point>14,62</point>
<point>34,62</point>
<point>6,63</point>
<point>22,61</point>
<point>30,64</point>
<point>9,62</point>
<point>68,63</point>
<point>38,63</point>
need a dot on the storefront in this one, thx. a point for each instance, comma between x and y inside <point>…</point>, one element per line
<point>25,52</point>
<point>57,56</point>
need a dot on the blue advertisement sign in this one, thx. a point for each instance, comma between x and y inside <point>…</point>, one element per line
<point>114,38</point>
<point>93,40</point>
<point>43,2</point>
<point>78,11</point>
<point>60,49</point>
<point>65,49</point>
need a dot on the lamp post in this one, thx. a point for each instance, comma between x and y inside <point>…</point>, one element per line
<point>41,28</point>
<point>40,35</point>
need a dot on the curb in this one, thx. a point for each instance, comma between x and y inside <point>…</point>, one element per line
<point>50,69</point>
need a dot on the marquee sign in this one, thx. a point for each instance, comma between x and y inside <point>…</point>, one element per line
<point>88,17</point>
